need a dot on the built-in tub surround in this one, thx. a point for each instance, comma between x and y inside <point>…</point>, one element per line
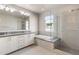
<point>47,38</point>
<point>47,42</point>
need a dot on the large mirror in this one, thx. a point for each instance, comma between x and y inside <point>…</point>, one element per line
<point>13,18</point>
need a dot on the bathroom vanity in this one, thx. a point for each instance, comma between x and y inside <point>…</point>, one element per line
<point>14,40</point>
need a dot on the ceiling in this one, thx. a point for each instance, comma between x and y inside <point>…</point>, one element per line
<point>39,8</point>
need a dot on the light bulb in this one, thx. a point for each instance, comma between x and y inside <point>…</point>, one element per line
<point>2,6</point>
<point>21,12</point>
<point>12,9</point>
<point>27,14</point>
<point>7,8</point>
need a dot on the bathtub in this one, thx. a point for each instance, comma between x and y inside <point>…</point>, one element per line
<point>47,38</point>
<point>47,42</point>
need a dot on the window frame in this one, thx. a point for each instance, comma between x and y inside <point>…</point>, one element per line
<point>48,19</point>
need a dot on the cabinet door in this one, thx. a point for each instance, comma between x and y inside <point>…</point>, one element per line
<point>31,36</point>
<point>26,39</point>
<point>14,43</point>
<point>4,45</point>
<point>21,41</point>
<point>29,39</point>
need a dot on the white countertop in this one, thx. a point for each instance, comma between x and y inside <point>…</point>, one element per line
<point>11,30</point>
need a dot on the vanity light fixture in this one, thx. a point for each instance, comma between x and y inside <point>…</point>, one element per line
<point>26,14</point>
<point>2,7</point>
<point>21,12</point>
<point>7,9</point>
<point>12,9</point>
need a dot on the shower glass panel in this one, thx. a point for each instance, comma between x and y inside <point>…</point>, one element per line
<point>51,24</point>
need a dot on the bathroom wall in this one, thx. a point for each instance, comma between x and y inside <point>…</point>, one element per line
<point>70,30</point>
<point>42,24</point>
<point>33,22</point>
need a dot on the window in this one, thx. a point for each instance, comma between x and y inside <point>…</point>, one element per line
<point>49,23</point>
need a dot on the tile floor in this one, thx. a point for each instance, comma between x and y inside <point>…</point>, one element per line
<point>37,50</point>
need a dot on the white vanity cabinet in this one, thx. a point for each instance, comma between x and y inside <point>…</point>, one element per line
<point>17,42</point>
<point>21,41</point>
<point>4,43</point>
<point>8,44</point>
<point>13,43</point>
<point>31,37</point>
<point>28,39</point>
